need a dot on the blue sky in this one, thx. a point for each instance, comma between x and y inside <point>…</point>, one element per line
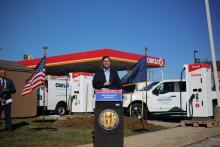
<point>171,29</point>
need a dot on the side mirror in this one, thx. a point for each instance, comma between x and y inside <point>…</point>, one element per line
<point>156,92</point>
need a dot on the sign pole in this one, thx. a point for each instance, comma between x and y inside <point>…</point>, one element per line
<point>44,126</point>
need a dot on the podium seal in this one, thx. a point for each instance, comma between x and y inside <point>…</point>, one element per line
<point>108,119</point>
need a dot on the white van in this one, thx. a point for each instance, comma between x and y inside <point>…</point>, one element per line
<point>163,96</point>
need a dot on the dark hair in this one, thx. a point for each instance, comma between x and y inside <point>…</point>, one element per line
<point>103,58</point>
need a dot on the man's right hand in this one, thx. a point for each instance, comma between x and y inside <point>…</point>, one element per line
<point>5,90</point>
<point>1,99</point>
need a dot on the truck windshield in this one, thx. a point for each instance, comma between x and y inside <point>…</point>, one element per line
<point>151,85</point>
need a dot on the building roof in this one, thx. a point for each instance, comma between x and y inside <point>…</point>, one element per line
<point>90,61</point>
<point>13,66</point>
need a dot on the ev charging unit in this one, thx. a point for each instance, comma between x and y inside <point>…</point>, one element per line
<point>199,91</point>
<point>82,99</point>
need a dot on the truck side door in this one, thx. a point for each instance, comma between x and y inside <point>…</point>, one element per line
<point>164,97</point>
<point>182,94</point>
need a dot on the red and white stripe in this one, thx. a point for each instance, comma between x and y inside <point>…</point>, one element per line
<point>33,83</point>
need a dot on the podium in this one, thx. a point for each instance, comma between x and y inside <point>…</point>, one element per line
<point>108,119</point>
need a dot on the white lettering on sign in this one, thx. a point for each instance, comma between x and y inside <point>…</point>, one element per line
<point>61,85</point>
<point>165,100</point>
<point>157,61</point>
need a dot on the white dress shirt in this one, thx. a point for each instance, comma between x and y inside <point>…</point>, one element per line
<point>107,74</point>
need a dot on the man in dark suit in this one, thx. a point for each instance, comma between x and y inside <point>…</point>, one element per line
<point>106,78</point>
<point>7,88</point>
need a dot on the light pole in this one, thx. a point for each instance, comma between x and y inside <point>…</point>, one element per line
<point>45,48</point>
<point>211,39</point>
<point>194,56</point>
<point>196,60</point>
<point>162,75</point>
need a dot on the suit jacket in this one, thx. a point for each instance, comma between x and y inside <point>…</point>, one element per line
<point>10,86</point>
<point>99,80</point>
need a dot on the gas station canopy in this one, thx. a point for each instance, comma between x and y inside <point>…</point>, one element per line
<point>90,61</point>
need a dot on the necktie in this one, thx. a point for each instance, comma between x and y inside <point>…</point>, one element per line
<point>1,85</point>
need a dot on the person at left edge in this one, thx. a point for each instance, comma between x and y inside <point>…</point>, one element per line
<point>106,77</point>
<point>7,88</point>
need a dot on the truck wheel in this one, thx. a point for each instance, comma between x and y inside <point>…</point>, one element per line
<point>136,109</point>
<point>60,109</point>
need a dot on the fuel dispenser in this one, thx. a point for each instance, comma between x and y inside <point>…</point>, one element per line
<point>199,91</point>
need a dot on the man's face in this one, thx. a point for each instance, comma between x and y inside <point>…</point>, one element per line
<point>2,73</point>
<point>106,63</point>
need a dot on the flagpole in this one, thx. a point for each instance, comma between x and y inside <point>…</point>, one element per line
<point>146,81</point>
<point>45,48</point>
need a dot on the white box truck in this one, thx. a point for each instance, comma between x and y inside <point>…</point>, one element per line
<point>73,93</point>
<point>55,96</point>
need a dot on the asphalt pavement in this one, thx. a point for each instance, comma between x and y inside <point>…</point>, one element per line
<point>213,141</point>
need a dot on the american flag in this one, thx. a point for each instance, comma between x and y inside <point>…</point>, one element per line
<point>36,80</point>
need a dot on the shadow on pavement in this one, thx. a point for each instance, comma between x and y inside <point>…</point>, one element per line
<point>44,128</point>
<point>49,121</point>
<point>143,130</point>
<point>168,117</point>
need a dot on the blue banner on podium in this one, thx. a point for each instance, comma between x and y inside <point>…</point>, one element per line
<point>108,95</point>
